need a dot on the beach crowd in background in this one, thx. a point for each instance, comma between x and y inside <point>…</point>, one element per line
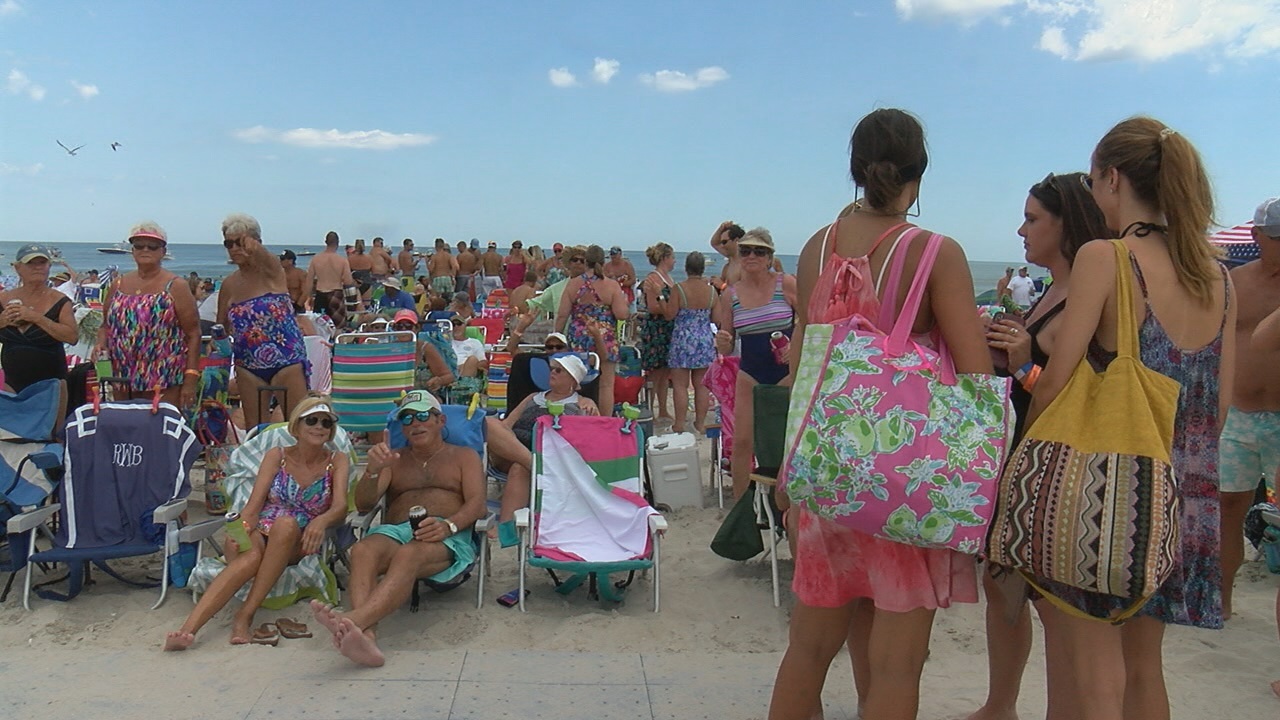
<point>695,352</point>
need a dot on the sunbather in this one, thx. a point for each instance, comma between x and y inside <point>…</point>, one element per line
<point>300,491</point>
<point>448,481</point>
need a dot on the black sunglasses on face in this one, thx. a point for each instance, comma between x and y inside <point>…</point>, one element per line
<point>577,259</point>
<point>147,246</point>
<point>229,243</point>
<point>311,421</point>
<point>749,250</point>
<point>407,418</point>
<point>554,348</point>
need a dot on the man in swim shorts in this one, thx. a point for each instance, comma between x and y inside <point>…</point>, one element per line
<point>1249,447</point>
<point>443,268</point>
<point>448,481</point>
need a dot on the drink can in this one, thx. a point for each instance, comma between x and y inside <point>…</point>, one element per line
<point>351,295</point>
<point>779,342</point>
<point>417,514</point>
<point>236,531</point>
<point>217,332</point>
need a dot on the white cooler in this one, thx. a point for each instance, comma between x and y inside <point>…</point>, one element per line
<point>675,473</point>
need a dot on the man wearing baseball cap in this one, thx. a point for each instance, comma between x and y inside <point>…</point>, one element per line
<point>446,480</point>
<point>1249,445</point>
<point>294,278</point>
<point>619,268</point>
<point>491,266</point>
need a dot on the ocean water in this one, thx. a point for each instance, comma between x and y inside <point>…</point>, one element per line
<point>211,261</point>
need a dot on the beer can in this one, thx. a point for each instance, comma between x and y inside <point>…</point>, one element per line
<point>417,514</point>
<point>236,531</point>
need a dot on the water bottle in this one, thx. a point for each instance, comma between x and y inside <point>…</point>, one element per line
<point>779,342</point>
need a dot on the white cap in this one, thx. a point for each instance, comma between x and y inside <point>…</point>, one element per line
<point>318,409</point>
<point>572,365</point>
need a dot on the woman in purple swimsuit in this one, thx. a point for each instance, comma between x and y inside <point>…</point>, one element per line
<point>255,306</point>
<point>300,491</point>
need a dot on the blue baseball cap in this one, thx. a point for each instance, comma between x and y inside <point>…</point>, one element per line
<point>32,251</point>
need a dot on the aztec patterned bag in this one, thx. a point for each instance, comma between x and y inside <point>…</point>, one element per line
<point>885,438</point>
<point>1089,498</point>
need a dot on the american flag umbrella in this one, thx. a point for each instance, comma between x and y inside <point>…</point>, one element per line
<point>1238,244</point>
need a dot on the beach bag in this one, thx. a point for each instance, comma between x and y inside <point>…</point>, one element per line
<point>1089,498</point>
<point>885,438</point>
<point>739,536</point>
<point>214,428</point>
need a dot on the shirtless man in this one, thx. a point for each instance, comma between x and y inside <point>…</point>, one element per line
<point>446,479</point>
<point>523,292</point>
<point>361,264</point>
<point>407,261</point>
<point>294,278</point>
<point>491,262</point>
<point>382,262</point>
<point>266,343</point>
<point>442,266</point>
<point>327,274</point>
<point>725,241</point>
<point>1249,448</point>
<point>620,269</point>
<point>467,264</point>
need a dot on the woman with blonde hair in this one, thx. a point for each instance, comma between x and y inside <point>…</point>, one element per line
<point>1149,181</point>
<point>655,332</point>
<point>300,492</point>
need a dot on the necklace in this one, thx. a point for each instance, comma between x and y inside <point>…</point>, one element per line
<point>1141,228</point>
<point>428,458</point>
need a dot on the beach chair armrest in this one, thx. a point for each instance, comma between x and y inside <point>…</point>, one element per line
<point>1271,518</point>
<point>31,519</point>
<point>169,511</point>
<point>200,531</point>
<point>522,517</point>
<point>482,525</point>
<point>46,459</point>
<point>657,524</point>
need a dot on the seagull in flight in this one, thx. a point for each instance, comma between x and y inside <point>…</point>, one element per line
<point>115,146</point>
<point>70,151</point>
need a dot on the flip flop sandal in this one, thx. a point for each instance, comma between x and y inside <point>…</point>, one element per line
<point>266,634</point>
<point>291,630</point>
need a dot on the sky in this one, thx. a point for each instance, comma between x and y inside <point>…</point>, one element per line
<point>598,122</point>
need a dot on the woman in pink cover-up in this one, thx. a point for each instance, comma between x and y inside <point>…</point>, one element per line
<point>878,594</point>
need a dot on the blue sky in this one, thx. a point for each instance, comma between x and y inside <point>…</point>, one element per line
<point>606,122</point>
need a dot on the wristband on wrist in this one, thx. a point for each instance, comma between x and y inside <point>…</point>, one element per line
<point>191,372</point>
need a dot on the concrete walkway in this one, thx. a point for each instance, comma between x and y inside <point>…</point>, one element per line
<point>304,682</point>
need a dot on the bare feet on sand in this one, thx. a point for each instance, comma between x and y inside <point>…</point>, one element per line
<point>1275,688</point>
<point>241,633</point>
<point>985,713</point>
<point>357,645</point>
<point>179,640</point>
<point>325,615</point>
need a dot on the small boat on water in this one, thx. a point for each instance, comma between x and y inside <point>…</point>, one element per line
<point>306,253</point>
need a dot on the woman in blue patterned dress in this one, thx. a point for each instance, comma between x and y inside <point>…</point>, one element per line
<point>692,342</point>
<point>1148,180</point>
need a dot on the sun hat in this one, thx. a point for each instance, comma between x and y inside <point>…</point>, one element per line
<point>317,410</point>
<point>1267,217</point>
<point>756,237</point>
<point>556,336</point>
<point>418,401</point>
<point>405,314</point>
<point>571,364</point>
<point>32,251</point>
<point>391,282</point>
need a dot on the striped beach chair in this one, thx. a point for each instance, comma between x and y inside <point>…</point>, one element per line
<point>370,373</point>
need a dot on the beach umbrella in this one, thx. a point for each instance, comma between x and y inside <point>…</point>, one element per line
<point>1238,244</point>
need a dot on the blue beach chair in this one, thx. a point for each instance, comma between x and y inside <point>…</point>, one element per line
<point>30,464</point>
<point>123,495</point>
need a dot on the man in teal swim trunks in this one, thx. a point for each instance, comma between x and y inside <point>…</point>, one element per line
<point>448,481</point>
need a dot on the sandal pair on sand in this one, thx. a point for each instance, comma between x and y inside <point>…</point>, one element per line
<point>270,633</point>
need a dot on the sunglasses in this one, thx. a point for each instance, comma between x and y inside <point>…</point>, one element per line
<point>749,250</point>
<point>1087,182</point>
<point>312,421</point>
<point>147,246</point>
<point>407,418</point>
<point>403,325</point>
<point>578,258</point>
<point>229,243</point>
<point>555,348</point>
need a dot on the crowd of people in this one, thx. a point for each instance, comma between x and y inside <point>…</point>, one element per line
<point>1216,333</point>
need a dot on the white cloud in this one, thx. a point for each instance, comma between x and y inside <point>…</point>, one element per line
<point>85,91</point>
<point>1144,30</point>
<point>676,81</point>
<point>28,170</point>
<point>313,138</point>
<point>19,84</point>
<point>966,11</point>
<point>604,70</point>
<point>561,77</point>
<point>1054,41</point>
<point>9,7</point>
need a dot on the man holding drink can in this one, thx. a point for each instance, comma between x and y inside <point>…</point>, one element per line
<point>444,483</point>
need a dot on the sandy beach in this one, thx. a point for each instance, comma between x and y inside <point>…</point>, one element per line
<point>717,619</point>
